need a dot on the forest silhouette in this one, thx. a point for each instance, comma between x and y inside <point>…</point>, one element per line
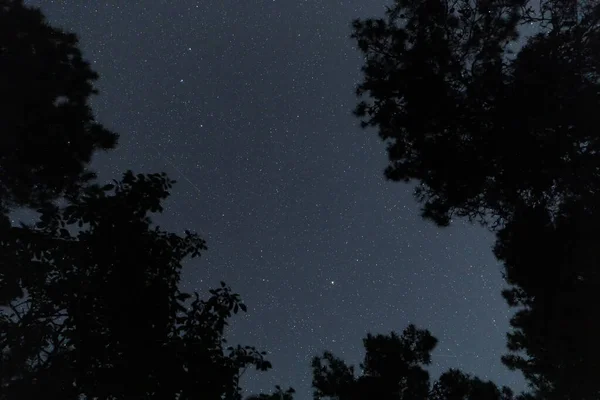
<point>506,139</point>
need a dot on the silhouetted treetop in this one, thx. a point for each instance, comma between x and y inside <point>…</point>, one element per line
<point>483,130</point>
<point>94,309</point>
<point>393,366</point>
<point>48,130</point>
<point>456,385</point>
<point>278,394</point>
<point>394,370</point>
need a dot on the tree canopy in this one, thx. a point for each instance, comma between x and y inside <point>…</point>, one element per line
<point>394,369</point>
<point>552,270</point>
<point>482,130</point>
<point>94,308</point>
<point>456,385</point>
<point>48,129</point>
<point>90,304</point>
<point>505,136</point>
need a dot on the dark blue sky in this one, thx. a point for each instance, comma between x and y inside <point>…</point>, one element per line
<point>248,105</point>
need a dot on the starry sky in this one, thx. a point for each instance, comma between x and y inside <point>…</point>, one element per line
<point>247,104</point>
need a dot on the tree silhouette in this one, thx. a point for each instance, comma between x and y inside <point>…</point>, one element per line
<point>509,140</point>
<point>278,394</point>
<point>482,130</point>
<point>48,129</point>
<point>456,385</point>
<point>552,267</point>
<point>93,308</point>
<point>394,370</point>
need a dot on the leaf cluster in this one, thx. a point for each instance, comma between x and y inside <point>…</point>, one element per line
<point>49,133</point>
<point>94,307</point>
<point>483,131</point>
<point>393,369</point>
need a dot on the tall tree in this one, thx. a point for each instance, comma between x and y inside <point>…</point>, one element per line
<point>484,131</point>
<point>552,267</point>
<point>508,140</point>
<point>394,370</point>
<point>48,130</point>
<point>93,309</point>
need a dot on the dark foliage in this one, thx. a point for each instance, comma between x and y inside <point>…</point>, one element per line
<point>48,130</point>
<point>91,305</point>
<point>456,385</point>
<point>508,140</point>
<point>394,370</point>
<point>483,130</point>
<point>278,394</point>
<point>93,308</point>
<point>552,267</point>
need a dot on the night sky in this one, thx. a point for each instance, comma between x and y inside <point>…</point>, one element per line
<point>248,105</point>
